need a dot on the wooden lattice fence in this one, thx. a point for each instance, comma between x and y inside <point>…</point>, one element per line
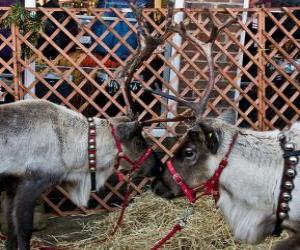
<point>257,73</point>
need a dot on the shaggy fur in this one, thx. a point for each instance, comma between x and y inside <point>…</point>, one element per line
<point>250,184</point>
<point>43,144</point>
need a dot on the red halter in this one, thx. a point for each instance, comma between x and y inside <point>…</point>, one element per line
<point>189,193</point>
<point>135,165</point>
<point>210,187</point>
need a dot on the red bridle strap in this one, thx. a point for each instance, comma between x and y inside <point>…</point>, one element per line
<point>211,186</point>
<point>117,141</point>
<point>135,165</point>
<point>188,192</point>
<point>177,227</point>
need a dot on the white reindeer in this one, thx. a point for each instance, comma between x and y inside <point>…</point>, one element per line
<point>43,144</point>
<point>257,189</point>
<point>250,184</point>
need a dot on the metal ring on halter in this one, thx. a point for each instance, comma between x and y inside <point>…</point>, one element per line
<point>186,215</point>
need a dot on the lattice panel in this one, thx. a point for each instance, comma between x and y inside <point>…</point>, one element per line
<point>76,53</point>
<point>282,61</point>
<point>8,86</point>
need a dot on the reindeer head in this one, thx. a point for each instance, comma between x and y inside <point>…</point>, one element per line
<point>199,155</point>
<point>135,146</point>
<point>203,142</point>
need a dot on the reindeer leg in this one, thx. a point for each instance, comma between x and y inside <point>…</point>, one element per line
<point>8,185</point>
<point>27,193</point>
<point>11,241</point>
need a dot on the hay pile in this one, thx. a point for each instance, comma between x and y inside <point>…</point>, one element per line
<point>149,218</point>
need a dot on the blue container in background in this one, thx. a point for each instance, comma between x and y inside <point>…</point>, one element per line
<point>121,28</point>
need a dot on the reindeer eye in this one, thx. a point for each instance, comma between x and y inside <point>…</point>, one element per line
<point>188,152</point>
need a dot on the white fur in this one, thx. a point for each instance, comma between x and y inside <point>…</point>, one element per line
<point>249,186</point>
<point>80,191</point>
<point>106,158</point>
<point>41,136</point>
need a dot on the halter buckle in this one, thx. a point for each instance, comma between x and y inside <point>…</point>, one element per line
<point>177,178</point>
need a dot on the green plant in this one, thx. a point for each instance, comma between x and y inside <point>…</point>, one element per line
<point>27,21</point>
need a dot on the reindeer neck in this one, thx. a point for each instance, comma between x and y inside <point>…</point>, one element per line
<point>255,163</point>
<point>105,142</point>
<point>249,186</point>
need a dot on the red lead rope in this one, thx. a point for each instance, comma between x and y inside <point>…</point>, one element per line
<point>177,227</point>
<point>211,187</point>
<point>190,194</point>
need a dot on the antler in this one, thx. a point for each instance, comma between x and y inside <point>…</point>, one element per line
<point>151,42</point>
<point>207,48</point>
<point>191,105</point>
<point>159,120</point>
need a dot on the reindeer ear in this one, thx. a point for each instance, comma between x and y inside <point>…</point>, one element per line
<point>228,116</point>
<point>212,141</point>
<point>212,138</point>
<point>126,130</point>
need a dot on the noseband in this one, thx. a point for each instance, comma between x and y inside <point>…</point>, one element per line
<point>189,193</point>
<point>211,186</point>
<point>135,165</point>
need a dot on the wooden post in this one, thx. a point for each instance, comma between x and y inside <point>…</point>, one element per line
<point>29,78</point>
<point>16,54</point>
<point>261,71</point>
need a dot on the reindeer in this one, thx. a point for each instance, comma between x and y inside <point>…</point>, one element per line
<point>44,144</point>
<point>257,190</point>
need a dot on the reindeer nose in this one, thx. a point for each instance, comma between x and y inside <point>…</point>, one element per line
<point>160,189</point>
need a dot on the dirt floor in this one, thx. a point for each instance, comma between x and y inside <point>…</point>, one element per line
<point>68,229</point>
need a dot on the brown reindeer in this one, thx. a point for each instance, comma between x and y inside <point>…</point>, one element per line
<point>251,174</point>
